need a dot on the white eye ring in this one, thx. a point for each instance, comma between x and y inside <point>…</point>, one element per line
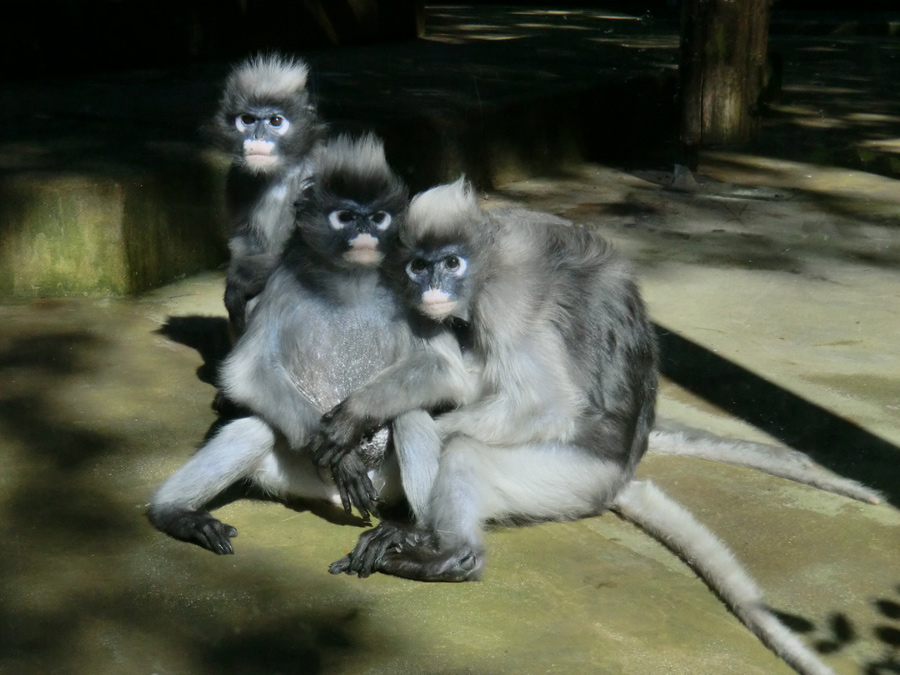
<point>282,128</point>
<point>334,219</point>
<point>385,220</point>
<point>239,124</point>
<point>460,269</point>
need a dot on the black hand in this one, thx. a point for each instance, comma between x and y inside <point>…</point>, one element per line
<point>354,485</point>
<point>335,439</point>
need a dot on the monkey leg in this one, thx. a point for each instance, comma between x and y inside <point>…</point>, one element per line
<point>179,506</point>
<point>477,483</point>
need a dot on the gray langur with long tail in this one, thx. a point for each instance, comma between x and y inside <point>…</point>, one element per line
<point>268,123</point>
<point>670,437</point>
<point>567,363</point>
<point>324,324</point>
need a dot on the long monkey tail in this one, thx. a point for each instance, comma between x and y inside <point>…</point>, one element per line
<point>645,505</point>
<point>782,462</point>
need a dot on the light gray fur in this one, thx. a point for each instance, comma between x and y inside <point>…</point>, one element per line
<point>542,440</point>
<point>244,448</point>
<point>269,76</point>
<point>323,326</point>
<point>670,438</point>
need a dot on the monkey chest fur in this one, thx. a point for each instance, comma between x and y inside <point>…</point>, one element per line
<point>334,349</point>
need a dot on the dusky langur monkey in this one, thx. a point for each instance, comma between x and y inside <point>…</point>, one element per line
<point>268,123</point>
<point>324,324</point>
<point>669,437</point>
<point>568,381</point>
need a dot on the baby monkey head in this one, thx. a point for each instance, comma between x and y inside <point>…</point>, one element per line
<point>266,118</point>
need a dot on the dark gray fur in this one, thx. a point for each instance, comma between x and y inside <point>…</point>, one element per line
<point>260,199</point>
<point>670,437</point>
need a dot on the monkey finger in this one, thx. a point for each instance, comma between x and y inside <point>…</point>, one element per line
<point>346,502</point>
<point>365,497</point>
<point>318,450</point>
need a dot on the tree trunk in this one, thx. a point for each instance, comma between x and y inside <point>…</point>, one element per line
<point>723,60</point>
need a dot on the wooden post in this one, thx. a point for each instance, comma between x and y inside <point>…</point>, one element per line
<point>723,60</point>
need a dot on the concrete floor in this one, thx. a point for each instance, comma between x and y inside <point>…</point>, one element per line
<point>775,286</point>
<point>98,407</point>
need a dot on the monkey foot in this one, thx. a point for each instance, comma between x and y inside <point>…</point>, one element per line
<point>195,527</point>
<point>404,551</point>
<point>372,546</point>
<point>463,564</point>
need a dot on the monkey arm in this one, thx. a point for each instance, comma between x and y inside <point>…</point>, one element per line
<point>254,376</point>
<point>245,279</point>
<point>531,396</point>
<point>435,375</point>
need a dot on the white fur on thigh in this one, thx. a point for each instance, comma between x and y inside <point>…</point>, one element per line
<point>545,481</point>
<point>287,472</point>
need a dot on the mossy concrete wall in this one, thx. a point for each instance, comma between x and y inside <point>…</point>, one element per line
<point>100,235</point>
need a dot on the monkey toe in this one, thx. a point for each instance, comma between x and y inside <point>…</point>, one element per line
<point>195,527</point>
<point>341,566</point>
<point>216,536</point>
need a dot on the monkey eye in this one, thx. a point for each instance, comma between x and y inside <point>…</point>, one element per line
<point>455,264</point>
<point>340,219</point>
<point>416,266</point>
<point>244,121</point>
<point>278,124</point>
<point>381,219</point>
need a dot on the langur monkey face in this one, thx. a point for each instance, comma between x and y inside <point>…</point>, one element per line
<point>261,130</point>
<point>356,234</point>
<point>440,280</point>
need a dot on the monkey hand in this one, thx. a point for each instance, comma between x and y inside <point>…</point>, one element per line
<point>339,434</point>
<point>354,485</point>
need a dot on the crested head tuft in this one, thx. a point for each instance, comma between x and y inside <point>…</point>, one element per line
<point>444,212</point>
<point>268,76</point>
<point>356,167</point>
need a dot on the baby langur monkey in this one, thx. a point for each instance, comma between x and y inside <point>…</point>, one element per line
<point>323,326</point>
<point>566,359</point>
<point>268,123</point>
